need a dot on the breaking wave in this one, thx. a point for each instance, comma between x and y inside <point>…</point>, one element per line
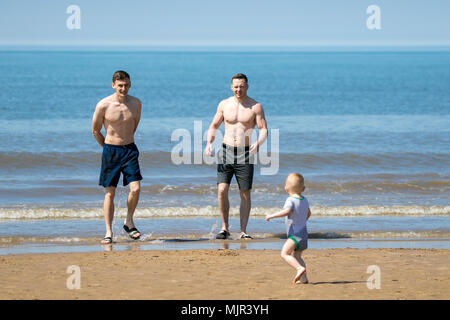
<point>210,211</point>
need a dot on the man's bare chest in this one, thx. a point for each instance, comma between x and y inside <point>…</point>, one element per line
<point>117,113</point>
<point>238,114</point>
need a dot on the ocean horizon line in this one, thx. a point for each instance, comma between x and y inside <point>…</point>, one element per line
<point>228,48</point>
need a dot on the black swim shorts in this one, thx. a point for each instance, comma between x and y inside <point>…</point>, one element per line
<point>235,161</point>
<point>119,159</point>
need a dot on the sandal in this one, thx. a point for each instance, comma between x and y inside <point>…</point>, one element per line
<point>245,236</point>
<point>224,234</point>
<point>106,240</point>
<point>131,232</point>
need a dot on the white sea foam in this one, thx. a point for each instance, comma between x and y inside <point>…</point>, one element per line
<point>210,211</point>
<point>15,240</point>
<point>401,235</point>
<point>259,236</point>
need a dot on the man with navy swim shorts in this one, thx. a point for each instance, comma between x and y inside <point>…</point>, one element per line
<point>119,113</point>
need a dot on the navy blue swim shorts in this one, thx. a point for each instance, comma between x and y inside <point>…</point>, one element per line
<point>119,159</point>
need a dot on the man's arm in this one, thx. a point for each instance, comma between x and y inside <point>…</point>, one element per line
<point>97,123</point>
<point>262,127</point>
<point>214,126</point>
<point>138,115</point>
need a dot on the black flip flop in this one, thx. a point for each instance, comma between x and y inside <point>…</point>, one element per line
<point>224,234</point>
<point>108,240</point>
<point>131,232</point>
<point>245,236</point>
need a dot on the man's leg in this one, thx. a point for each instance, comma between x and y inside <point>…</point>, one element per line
<point>108,209</point>
<point>224,204</point>
<point>133,199</point>
<point>244,208</point>
<point>244,178</point>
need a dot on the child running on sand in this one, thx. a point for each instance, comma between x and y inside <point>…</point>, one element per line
<point>296,210</point>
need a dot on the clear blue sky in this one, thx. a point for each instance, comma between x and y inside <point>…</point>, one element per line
<point>225,23</point>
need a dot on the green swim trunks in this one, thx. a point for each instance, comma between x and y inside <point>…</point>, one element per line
<point>300,242</point>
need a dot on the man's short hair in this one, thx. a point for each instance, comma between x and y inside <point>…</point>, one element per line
<point>120,75</point>
<point>240,76</point>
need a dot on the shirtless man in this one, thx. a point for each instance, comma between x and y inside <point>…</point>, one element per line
<point>119,113</point>
<point>240,114</point>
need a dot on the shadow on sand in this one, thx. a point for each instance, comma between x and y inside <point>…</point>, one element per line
<point>337,282</point>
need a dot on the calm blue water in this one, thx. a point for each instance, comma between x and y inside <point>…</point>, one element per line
<point>65,85</point>
<point>370,131</point>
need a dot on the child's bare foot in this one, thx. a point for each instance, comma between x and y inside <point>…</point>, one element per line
<point>302,281</point>
<point>300,272</point>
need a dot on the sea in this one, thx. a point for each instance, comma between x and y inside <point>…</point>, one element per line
<point>369,131</point>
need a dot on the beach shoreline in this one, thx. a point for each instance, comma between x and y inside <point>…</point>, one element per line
<point>226,274</point>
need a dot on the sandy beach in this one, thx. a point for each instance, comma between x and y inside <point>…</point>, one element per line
<point>226,275</point>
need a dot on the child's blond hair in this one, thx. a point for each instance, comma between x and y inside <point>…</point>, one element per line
<point>295,182</point>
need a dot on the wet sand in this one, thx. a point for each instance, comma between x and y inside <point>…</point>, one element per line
<point>227,275</point>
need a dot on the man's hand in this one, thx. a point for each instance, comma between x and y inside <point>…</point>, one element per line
<point>208,149</point>
<point>267,218</point>
<point>254,148</point>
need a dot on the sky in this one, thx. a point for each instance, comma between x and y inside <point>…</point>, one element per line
<point>224,23</point>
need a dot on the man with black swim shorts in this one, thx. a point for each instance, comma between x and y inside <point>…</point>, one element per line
<point>240,114</point>
<point>119,113</point>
